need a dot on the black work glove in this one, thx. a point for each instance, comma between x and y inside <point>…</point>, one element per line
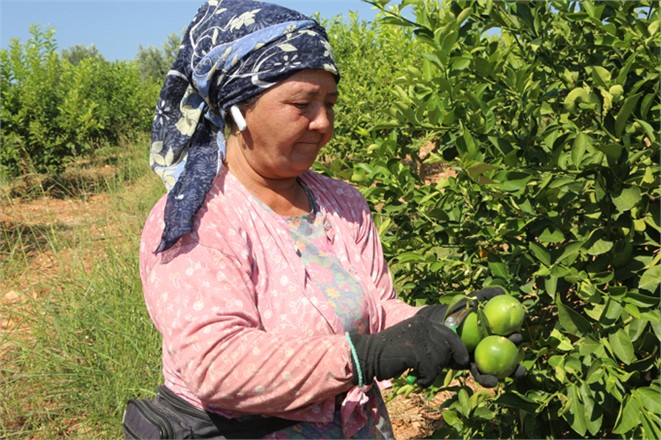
<point>416,343</point>
<point>439,313</point>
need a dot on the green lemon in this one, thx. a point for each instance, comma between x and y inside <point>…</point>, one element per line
<point>504,315</point>
<point>470,331</point>
<point>496,355</point>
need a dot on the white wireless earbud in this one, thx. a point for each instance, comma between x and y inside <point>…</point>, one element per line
<point>238,118</point>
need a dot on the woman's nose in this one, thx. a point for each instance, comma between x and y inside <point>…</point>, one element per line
<point>322,120</point>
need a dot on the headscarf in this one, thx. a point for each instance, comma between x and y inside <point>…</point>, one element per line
<point>232,51</point>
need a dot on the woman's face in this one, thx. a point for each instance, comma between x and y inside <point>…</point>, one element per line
<point>289,124</point>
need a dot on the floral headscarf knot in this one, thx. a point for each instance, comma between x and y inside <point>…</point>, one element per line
<point>231,51</point>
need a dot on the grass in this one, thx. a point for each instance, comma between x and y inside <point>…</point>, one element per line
<point>80,342</point>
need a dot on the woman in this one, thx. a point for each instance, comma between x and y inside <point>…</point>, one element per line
<point>267,281</point>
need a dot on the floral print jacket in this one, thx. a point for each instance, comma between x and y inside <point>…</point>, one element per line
<point>244,331</point>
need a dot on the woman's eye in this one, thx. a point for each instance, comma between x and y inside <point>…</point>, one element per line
<point>301,105</point>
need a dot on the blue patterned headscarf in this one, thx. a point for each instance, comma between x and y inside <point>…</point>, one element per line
<point>232,51</point>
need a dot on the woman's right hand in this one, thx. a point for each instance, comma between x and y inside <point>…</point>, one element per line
<point>416,343</point>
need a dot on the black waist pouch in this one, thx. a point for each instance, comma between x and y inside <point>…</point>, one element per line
<point>167,416</point>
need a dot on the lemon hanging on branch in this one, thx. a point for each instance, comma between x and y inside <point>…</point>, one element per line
<point>471,332</point>
<point>504,315</point>
<point>497,355</point>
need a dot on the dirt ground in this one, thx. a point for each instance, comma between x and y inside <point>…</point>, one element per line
<point>412,416</point>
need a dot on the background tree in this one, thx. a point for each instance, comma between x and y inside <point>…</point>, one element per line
<point>153,62</point>
<point>75,54</point>
<point>54,111</point>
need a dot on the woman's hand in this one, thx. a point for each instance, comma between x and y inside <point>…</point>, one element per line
<point>416,343</point>
<point>439,313</point>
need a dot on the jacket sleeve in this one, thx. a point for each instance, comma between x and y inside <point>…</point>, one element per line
<point>203,302</point>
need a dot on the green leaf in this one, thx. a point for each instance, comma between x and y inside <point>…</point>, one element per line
<point>641,300</point>
<point>484,413</point>
<point>624,113</point>
<point>653,221</point>
<point>551,285</point>
<point>470,147</point>
<point>581,143</point>
<point>595,312</point>
<point>601,75</point>
<point>611,313</point>
<point>463,15</point>
<point>594,414</point>
<point>629,416</point>
<point>561,181</point>
<point>449,40</point>
<point>499,270</point>
<point>622,346</point>
<point>512,181</point>
<point>464,405</point>
<point>650,424</point>
<point>600,247</point>
<point>551,235</point>
<point>571,250</point>
<point>649,130</point>
<point>451,418</point>
<point>576,415</point>
<point>480,396</point>
<point>649,398</point>
<point>542,254</point>
<point>595,374</point>
<point>408,257</point>
<point>517,400</point>
<point>589,346</point>
<point>612,150</point>
<point>627,198</point>
<point>476,170</point>
<point>558,362</point>
<point>396,21</point>
<point>593,10</point>
<point>656,328</point>
<point>645,105</point>
<point>460,62</point>
<point>452,303</point>
<point>573,322</point>
<point>650,279</point>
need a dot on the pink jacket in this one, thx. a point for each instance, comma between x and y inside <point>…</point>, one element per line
<point>243,331</point>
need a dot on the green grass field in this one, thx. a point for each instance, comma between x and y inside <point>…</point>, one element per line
<point>75,338</point>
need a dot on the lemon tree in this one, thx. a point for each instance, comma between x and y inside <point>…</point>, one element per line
<point>524,153</point>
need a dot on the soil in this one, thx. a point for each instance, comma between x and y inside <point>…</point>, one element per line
<point>412,416</point>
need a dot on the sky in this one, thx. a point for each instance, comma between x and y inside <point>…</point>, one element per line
<point>119,27</point>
